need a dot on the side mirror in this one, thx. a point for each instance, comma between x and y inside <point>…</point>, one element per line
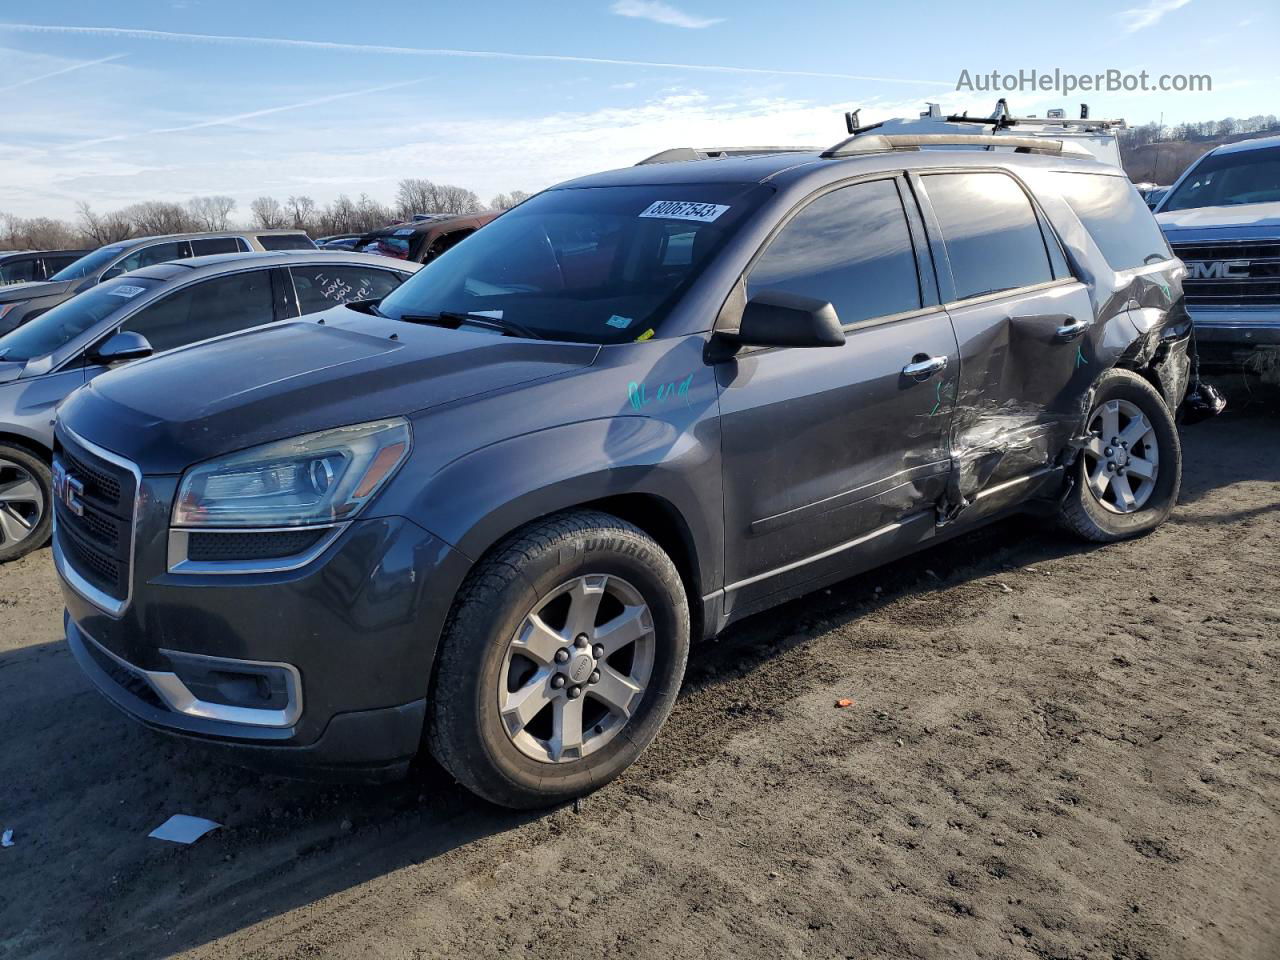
<point>775,318</point>
<point>122,346</point>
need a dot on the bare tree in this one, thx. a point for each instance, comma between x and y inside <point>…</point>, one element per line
<point>415,195</point>
<point>301,210</point>
<point>158,217</point>
<point>211,213</point>
<point>104,229</point>
<point>505,201</point>
<point>267,213</point>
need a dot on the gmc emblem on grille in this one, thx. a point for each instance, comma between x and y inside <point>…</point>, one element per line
<point>68,489</point>
<point>1219,269</point>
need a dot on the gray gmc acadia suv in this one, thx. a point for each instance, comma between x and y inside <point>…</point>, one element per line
<point>487,515</point>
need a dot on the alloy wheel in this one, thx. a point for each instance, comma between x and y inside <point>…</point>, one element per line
<point>576,669</point>
<point>22,503</point>
<point>1121,456</point>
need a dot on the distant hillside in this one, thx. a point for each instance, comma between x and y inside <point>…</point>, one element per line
<point>1147,158</point>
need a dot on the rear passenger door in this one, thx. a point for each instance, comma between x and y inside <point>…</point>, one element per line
<point>1020,319</point>
<point>320,286</point>
<point>834,456</point>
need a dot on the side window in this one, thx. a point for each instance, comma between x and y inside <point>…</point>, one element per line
<point>1116,217</point>
<point>991,233</point>
<point>204,310</point>
<point>201,248</point>
<point>52,264</point>
<point>851,247</point>
<point>18,270</point>
<point>146,256</point>
<point>321,286</point>
<point>285,241</point>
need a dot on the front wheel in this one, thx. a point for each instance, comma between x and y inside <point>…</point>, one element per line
<point>560,662</point>
<point>1130,469</point>
<point>26,510</point>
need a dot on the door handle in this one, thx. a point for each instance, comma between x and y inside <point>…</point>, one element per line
<point>923,366</point>
<point>1069,331</point>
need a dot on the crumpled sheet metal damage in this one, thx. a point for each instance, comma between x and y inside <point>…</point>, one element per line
<point>1145,327</point>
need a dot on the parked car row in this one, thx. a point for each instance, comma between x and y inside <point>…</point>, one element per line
<point>23,302</point>
<point>488,513</point>
<point>160,307</point>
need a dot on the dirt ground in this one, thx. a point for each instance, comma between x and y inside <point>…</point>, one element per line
<point>1055,751</point>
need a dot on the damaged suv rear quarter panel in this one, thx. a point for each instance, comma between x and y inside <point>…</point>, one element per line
<point>1139,322</point>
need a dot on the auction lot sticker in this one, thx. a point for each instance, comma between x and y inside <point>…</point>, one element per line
<point>124,290</point>
<point>684,210</point>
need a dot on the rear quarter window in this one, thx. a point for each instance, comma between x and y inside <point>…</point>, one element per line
<point>1117,218</point>
<point>286,241</point>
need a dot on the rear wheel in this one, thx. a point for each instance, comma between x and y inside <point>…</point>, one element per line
<point>561,660</point>
<point>26,511</point>
<point>1130,469</point>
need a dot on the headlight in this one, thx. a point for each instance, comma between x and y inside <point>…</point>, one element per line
<point>318,478</point>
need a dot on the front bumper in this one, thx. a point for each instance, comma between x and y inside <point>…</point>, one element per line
<point>344,647</point>
<point>1226,337</point>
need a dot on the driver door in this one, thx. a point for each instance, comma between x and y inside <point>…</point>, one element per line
<point>834,456</point>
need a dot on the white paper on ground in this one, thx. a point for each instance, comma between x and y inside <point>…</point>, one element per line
<point>7,839</point>
<point>183,829</point>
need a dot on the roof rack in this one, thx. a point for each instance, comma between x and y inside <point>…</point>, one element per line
<point>861,143</point>
<point>681,154</point>
<point>1002,119</point>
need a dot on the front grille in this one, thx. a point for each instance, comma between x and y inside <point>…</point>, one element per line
<point>1240,273</point>
<point>215,547</point>
<point>97,542</point>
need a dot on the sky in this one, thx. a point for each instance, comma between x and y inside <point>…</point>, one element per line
<point>167,99</point>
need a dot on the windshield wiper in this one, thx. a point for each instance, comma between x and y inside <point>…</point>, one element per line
<point>446,318</point>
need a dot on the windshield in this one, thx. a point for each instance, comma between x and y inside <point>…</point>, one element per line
<point>59,326</point>
<point>1225,179</point>
<point>593,264</point>
<point>90,263</point>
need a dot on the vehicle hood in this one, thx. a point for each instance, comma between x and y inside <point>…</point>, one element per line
<point>287,379</point>
<point>32,289</point>
<point>1238,220</point>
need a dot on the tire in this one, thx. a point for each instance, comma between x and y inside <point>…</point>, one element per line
<point>26,502</point>
<point>1096,508</point>
<point>495,665</point>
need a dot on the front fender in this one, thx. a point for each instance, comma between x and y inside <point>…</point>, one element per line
<point>476,500</point>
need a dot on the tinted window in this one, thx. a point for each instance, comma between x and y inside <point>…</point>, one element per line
<point>1116,217</point>
<point>596,264</point>
<point>90,263</point>
<point>52,264</point>
<point>850,247</point>
<point>153,253</point>
<point>1226,179</point>
<point>18,270</point>
<point>207,309</point>
<point>63,323</point>
<point>324,285</point>
<point>990,229</point>
<point>202,248</point>
<point>285,241</point>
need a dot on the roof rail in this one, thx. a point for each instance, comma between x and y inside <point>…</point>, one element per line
<point>681,154</point>
<point>883,143</point>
